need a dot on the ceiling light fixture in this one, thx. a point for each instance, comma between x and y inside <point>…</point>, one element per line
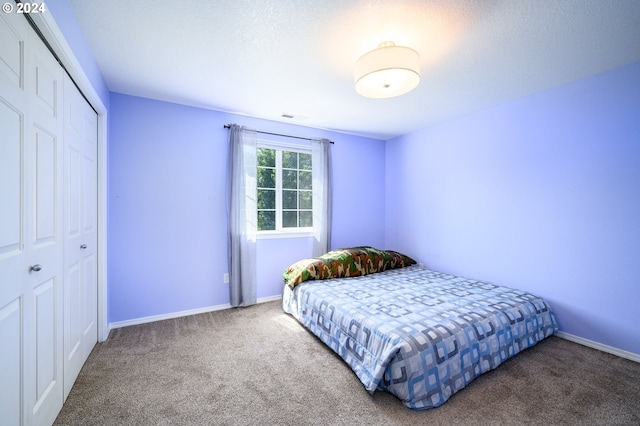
<point>388,71</point>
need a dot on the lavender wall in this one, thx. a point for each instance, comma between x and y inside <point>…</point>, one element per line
<point>66,19</point>
<point>167,221</point>
<point>541,194</point>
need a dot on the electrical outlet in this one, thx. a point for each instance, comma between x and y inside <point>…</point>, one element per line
<point>225,278</point>
<point>420,265</point>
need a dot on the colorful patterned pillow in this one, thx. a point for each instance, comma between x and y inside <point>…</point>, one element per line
<point>348,262</point>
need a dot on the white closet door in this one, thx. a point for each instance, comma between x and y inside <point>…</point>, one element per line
<point>44,157</point>
<point>13,257</point>
<point>80,229</point>
<point>31,237</point>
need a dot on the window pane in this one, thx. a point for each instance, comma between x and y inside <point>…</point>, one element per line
<point>289,160</point>
<point>289,219</point>
<point>305,180</point>
<point>289,200</point>
<point>284,189</point>
<point>266,157</point>
<point>306,200</point>
<point>290,179</point>
<point>306,219</point>
<point>266,199</point>
<point>266,178</point>
<point>266,220</point>
<point>305,161</point>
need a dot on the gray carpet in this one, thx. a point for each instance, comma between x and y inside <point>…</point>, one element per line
<point>258,366</point>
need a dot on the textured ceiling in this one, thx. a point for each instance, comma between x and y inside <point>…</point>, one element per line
<point>264,58</point>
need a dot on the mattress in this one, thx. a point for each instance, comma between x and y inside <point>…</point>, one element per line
<point>419,334</point>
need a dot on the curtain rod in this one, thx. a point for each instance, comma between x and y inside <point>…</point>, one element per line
<point>227,126</point>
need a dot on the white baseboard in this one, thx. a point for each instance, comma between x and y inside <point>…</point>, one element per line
<point>599,346</point>
<point>172,315</point>
<point>582,341</point>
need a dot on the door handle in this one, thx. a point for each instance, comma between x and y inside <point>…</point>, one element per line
<point>36,268</point>
<point>84,246</point>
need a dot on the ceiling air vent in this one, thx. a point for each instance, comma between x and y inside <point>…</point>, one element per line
<point>293,117</point>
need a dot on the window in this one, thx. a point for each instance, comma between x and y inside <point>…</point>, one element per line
<point>285,189</point>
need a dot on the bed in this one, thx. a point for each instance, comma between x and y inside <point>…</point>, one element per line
<point>419,334</point>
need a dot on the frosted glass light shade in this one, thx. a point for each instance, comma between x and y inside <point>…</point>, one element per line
<point>388,71</point>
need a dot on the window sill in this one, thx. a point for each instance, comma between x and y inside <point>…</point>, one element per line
<point>269,235</point>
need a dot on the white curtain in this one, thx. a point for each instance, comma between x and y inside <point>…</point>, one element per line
<point>242,215</point>
<point>322,196</point>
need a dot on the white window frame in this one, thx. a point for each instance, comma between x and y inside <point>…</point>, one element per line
<point>281,232</point>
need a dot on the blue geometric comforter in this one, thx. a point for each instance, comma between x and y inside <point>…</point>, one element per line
<point>419,334</point>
